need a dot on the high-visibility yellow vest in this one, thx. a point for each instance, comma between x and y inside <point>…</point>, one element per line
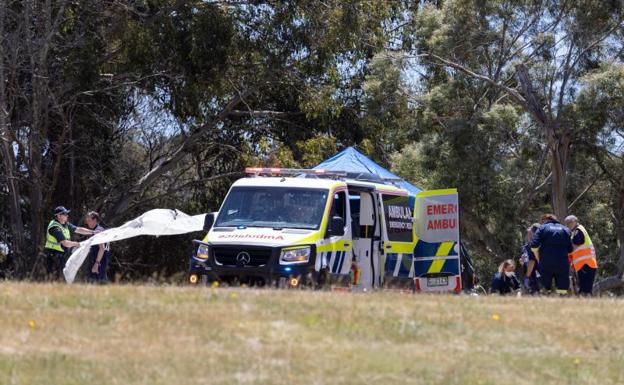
<point>585,254</point>
<point>51,242</point>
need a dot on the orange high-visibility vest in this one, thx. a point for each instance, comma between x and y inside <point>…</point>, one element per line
<point>584,254</point>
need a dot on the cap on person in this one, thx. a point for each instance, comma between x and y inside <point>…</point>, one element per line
<point>61,210</point>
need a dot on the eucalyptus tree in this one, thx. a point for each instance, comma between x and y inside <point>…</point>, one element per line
<point>530,54</point>
<point>250,70</point>
<point>601,105</point>
<point>121,105</point>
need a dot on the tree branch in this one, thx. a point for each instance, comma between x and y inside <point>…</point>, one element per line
<point>584,191</point>
<point>261,113</point>
<point>170,162</point>
<point>512,92</point>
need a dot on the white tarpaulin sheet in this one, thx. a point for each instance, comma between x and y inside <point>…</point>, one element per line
<point>154,222</point>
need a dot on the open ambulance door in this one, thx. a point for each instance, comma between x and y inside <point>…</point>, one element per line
<point>334,251</point>
<point>436,255</point>
<point>396,208</point>
<point>365,241</point>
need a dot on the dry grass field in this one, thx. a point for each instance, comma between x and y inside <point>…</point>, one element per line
<point>59,334</point>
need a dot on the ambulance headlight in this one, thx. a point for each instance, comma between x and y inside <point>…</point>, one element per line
<point>299,254</point>
<point>202,252</point>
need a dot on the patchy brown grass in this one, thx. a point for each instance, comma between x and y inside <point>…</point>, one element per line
<point>59,334</point>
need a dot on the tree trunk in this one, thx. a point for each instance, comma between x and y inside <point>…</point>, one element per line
<point>559,162</point>
<point>17,244</point>
<point>558,141</point>
<point>620,229</point>
<point>15,197</point>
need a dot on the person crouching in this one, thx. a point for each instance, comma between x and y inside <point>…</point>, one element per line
<point>505,281</point>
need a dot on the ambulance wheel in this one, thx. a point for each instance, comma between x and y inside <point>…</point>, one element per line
<point>194,279</point>
<point>198,279</point>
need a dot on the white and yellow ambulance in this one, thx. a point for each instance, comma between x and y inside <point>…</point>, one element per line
<point>316,228</point>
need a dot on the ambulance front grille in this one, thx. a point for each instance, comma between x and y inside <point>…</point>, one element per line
<point>257,257</point>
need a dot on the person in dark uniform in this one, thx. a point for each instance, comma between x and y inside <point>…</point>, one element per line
<point>98,254</point>
<point>58,242</point>
<point>551,245</point>
<point>505,281</point>
<point>529,262</point>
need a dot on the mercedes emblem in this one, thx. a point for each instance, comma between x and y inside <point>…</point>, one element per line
<point>243,258</point>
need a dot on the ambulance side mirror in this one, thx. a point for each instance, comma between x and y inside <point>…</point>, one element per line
<point>337,226</point>
<point>209,221</point>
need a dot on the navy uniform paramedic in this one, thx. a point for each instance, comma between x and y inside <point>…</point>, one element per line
<point>551,245</point>
<point>58,241</point>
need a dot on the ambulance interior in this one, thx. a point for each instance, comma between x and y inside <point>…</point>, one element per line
<point>366,236</point>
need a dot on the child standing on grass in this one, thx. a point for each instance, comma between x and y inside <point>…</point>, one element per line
<point>505,281</point>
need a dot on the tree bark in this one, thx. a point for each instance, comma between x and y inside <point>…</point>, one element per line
<point>559,162</point>
<point>15,212</point>
<point>609,283</point>
<point>558,141</point>
<point>17,244</point>
<point>620,225</point>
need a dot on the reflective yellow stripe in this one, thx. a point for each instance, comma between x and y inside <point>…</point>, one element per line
<point>436,266</point>
<point>561,291</point>
<point>430,193</point>
<point>444,249</point>
<point>339,245</point>
<point>312,238</point>
<point>406,248</point>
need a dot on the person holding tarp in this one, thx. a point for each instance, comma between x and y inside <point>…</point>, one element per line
<point>98,254</point>
<point>551,244</point>
<point>583,258</point>
<point>58,241</point>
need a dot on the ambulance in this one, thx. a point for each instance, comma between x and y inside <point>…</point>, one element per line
<point>325,229</point>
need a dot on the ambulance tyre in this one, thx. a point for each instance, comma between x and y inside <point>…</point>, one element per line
<point>196,279</point>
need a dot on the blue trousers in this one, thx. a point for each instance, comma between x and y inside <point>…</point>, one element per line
<point>586,279</point>
<point>100,276</point>
<point>560,274</point>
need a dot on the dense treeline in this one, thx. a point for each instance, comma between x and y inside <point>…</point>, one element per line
<point>122,106</point>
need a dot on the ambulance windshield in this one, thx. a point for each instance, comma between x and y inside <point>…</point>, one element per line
<point>276,207</point>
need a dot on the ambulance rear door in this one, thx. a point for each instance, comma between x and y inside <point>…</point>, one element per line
<point>436,255</point>
<point>396,209</point>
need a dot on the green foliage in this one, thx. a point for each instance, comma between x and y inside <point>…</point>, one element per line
<point>387,114</point>
<point>124,84</point>
<point>472,135</point>
<point>316,150</point>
